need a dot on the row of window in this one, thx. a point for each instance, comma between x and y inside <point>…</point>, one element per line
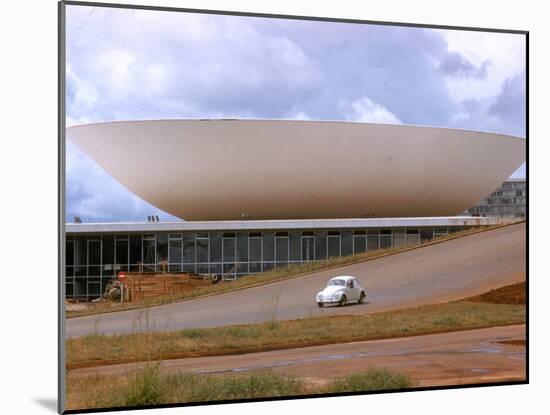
<point>93,259</point>
<point>90,255</point>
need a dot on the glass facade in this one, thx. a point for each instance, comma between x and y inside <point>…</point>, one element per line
<point>93,259</point>
<point>508,200</point>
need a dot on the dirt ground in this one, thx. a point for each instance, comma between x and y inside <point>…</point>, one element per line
<point>510,294</point>
<point>464,357</point>
<point>488,355</point>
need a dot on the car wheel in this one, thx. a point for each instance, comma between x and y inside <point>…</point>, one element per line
<point>362,297</point>
<point>343,300</point>
<point>320,304</point>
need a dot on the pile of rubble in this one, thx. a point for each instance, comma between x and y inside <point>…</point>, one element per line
<point>112,292</point>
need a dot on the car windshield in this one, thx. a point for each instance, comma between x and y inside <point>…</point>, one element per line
<point>337,282</point>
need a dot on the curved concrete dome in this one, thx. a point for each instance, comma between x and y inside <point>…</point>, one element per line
<point>222,169</point>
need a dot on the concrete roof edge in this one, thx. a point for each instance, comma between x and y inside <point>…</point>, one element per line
<point>279,224</point>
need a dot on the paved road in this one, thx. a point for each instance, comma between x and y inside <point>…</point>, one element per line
<point>439,272</point>
<point>472,356</point>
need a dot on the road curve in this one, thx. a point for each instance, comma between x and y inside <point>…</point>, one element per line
<point>439,272</point>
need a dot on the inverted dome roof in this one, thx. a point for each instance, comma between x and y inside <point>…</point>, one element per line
<point>279,169</point>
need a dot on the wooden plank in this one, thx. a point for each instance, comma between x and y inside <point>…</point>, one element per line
<point>144,286</point>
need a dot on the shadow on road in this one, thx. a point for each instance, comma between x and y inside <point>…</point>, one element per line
<point>347,305</point>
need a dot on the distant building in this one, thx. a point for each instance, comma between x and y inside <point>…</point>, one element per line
<point>508,200</point>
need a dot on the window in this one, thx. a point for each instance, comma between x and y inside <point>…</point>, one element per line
<point>373,240</point>
<point>162,247</point>
<point>69,253</point>
<point>188,252</point>
<point>412,236</point>
<point>439,232</point>
<point>122,248</point>
<point>281,248</point>
<point>359,241</point>
<point>135,252</point>
<point>320,245</point>
<point>255,247</point>
<point>216,244</point>
<point>229,248</point>
<point>94,257</point>
<point>308,246</point>
<point>385,238</point>
<point>149,253</point>
<point>333,244</point>
<point>175,253</point>
<point>268,250</point>
<point>108,243</point>
<point>242,248</point>
<point>203,249</point>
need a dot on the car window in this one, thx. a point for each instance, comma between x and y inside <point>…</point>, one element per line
<point>337,282</point>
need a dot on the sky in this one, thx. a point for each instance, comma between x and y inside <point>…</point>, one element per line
<point>141,64</point>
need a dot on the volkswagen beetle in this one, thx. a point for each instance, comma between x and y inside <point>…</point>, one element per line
<point>341,290</point>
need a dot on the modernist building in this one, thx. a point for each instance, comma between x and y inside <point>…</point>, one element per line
<point>95,252</point>
<point>262,194</point>
<point>508,200</point>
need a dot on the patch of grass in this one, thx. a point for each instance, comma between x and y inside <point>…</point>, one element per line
<point>144,388</point>
<point>192,333</point>
<point>446,321</point>
<point>192,388</point>
<point>274,275</point>
<point>461,315</point>
<point>374,379</point>
<point>151,387</point>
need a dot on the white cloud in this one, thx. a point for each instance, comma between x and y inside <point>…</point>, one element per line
<point>300,115</point>
<point>85,94</point>
<point>116,65</point>
<point>70,121</point>
<point>95,196</point>
<point>143,64</point>
<point>365,110</point>
<point>137,64</point>
<point>505,52</point>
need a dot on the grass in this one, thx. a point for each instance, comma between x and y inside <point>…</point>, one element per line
<point>150,387</point>
<point>93,350</point>
<point>277,274</point>
<point>145,388</point>
<point>374,379</point>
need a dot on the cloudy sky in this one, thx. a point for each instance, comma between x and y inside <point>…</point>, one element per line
<point>129,65</point>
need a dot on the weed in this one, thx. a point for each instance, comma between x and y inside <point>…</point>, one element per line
<point>448,321</point>
<point>150,387</point>
<point>145,387</point>
<point>374,379</point>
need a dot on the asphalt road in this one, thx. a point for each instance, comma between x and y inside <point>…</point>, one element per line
<point>440,272</point>
<point>463,357</point>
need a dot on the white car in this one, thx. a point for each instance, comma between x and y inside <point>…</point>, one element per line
<point>341,290</point>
